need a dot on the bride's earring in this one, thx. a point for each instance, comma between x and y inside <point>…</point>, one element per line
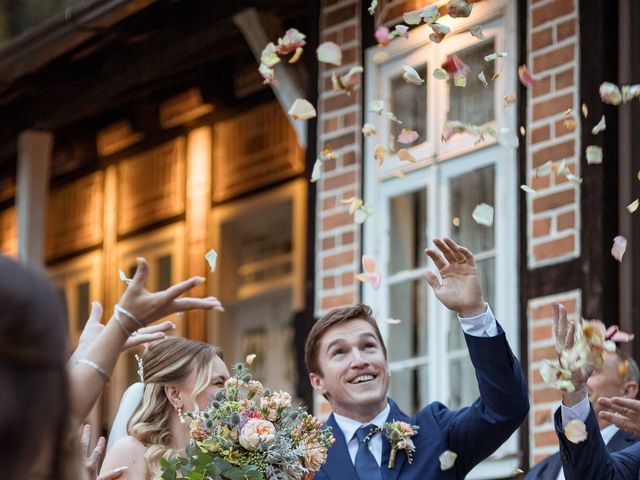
<point>180,415</point>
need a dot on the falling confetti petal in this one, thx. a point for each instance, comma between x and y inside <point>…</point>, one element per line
<point>368,130</point>
<point>267,74</point>
<point>362,213</point>
<point>302,110</point>
<point>447,459</point>
<point>460,80</point>
<point>317,171</point>
<point>412,18</point>
<point>380,57</point>
<point>382,36</point>
<point>379,153</point>
<point>477,32</point>
<point>575,431</point>
<point>633,206</point>
<point>329,52</point>
<point>482,78</point>
<point>250,358</point>
<point>556,377</point>
<point>454,66</point>
<point>585,110</point>
<point>574,179</point>
<point>507,139</point>
<point>619,247</point>
<point>610,93</point>
<point>407,136</point>
<point>393,321</point>
<point>269,56</point>
<point>405,156</point>
<point>124,278</point>
<point>459,8</point>
<point>212,259</point>
<point>354,204</point>
<point>368,264</point>
<point>455,221</point>
<point>348,82</point>
<point>594,155</point>
<point>440,74</point>
<point>602,124</point>
<point>290,42</point>
<point>399,174</point>
<point>328,154</point>
<point>483,214</point>
<point>372,7</point>
<point>528,189</point>
<point>494,56</point>
<point>392,117</point>
<point>525,76</point>
<point>411,76</point>
<point>629,92</point>
<point>570,124</point>
<point>376,106</point>
<point>400,31</point>
<point>296,56</point>
<point>523,132</point>
<point>509,100</point>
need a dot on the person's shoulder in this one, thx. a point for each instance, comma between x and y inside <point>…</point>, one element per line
<point>129,443</point>
<point>127,451</point>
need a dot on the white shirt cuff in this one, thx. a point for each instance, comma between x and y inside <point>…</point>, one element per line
<point>483,325</point>
<point>580,411</point>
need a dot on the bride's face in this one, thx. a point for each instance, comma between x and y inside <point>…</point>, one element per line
<point>219,375</point>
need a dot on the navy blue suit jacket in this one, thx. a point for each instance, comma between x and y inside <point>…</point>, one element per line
<point>591,460</point>
<point>473,432</point>
<point>549,468</point>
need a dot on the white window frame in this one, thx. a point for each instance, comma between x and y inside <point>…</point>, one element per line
<point>436,163</point>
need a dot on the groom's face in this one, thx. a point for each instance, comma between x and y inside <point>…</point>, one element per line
<point>354,372</point>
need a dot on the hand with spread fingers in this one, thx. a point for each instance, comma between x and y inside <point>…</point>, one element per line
<point>564,332</point>
<point>459,288</point>
<point>91,462</point>
<point>622,412</point>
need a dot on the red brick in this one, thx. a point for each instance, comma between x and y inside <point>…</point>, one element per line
<point>347,278</point>
<point>338,101</point>
<point>330,37</point>
<point>347,238</point>
<point>542,86</point>
<point>542,38</point>
<point>543,332</point>
<point>543,439</point>
<point>564,79</point>
<point>341,300</point>
<point>542,416</point>
<point>339,181</point>
<point>562,179</point>
<point>546,394</point>
<point>554,248</point>
<point>348,138</point>
<point>565,29</point>
<point>349,55</point>
<point>550,201</point>
<point>570,305</point>
<point>553,58</point>
<point>541,227</point>
<point>538,183</point>
<point>550,11</point>
<point>328,166</point>
<point>348,12</point>
<point>544,352</point>
<point>328,243</point>
<point>542,312</point>
<point>329,282</point>
<point>349,158</point>
<point>566,220</point>
<point>559,128</point>
<point>349,119</point>
<point>349,34</point>
<point>329,203</point>
<point>540,134</point>
<point>554,152</point>
<point>330,125</point>
<point>336,220</point>
<point>338,260</point>
<point>552,106</point>
<point>327,83</point>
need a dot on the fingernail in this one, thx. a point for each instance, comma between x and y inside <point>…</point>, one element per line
<point>199,280</point>
<point>219,309</point>
<point>173,326</point>
<point>120,469</point>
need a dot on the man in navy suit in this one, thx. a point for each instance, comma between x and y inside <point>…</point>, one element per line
<point>589,459</point>
<point>347,363</point>
<point>607,382</point>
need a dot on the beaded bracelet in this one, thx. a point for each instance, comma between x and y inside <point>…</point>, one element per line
<point>103,373</point>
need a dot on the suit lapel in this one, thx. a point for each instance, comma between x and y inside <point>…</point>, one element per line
<point>338,464</point>
<point>620,441</point>
<point>392,473</point>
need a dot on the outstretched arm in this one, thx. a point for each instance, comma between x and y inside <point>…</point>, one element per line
<point>88,376</point>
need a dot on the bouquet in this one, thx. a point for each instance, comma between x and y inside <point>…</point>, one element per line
<point>251,433</point>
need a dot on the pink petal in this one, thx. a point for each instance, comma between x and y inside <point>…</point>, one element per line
<point>454,66</point>
<point>369,264</point>
<point>525,76</point>
<point>619,246</point>
<point>407,136</point>
<point>382,36</point>
<point>374,279</point>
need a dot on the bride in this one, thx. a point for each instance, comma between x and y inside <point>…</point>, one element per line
<point>179,376</point>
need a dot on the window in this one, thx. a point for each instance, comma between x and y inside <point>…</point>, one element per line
<point>428,356</point>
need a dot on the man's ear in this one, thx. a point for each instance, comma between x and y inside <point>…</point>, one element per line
<point>173,395</point>
<point>317,382</point>
<point>630,389</point>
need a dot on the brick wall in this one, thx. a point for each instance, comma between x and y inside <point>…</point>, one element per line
<point>553,214</point>
<point>340,121</point>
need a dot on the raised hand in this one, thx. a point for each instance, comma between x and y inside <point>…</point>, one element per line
<point>460,288</point>
<point>622,412</point>
<point>91,462</point>
<point>149,307</point>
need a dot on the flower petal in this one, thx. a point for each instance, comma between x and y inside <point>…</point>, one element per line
<point>411,76</point>
<point>528,189</point>
<point>407,136</point>
<point>525,76</point>
<point>393,321</point>
<point>510,100</point>
<point>633,206</point>
<point>507,139</point>
<point>329,52</point>
<point>212,259</point>
<point>124,278</point>
<point>459,8</point>
<point>376,106</point>
<point>405,156</point>
<point>291,41</point>
<point>602,124</point>
<point>594,155</point>
<point>368,130</point>
<point>447,459</point>
<point>619,247</point>
<point>379,153</point>
<point>482,78</point>
<point>575,431</point>
<point>495,55</point>
<point>302,110</point>
<point>317,171</point>
<point>250,358</point>
<point>483,214</point>
<point>412,18</point>
<point>440,74</point>
<point>368,264</point>
<point>372,7</point>
<point>382,36</point>
<point>269,55</point>
<point>610,93</point>
<point>477,32</point>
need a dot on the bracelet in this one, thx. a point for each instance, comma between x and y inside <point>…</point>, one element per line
<point>103,373</point>
<point>124,329</point>
<point>120,309</point>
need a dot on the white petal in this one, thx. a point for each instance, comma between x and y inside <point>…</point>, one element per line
<point>633,206</point>
<point>329,52</point>
<point>392,117</point>
<point>212,259</point>
<point>575,431</point>
<point>372,7</point>
<point>482,78</point>
<point>493,56</point>
<point>376,106</point>
<point>393,321</point>
<point>440,74</point>
<point>594,155</point>
<point>447,459</point>
<point>483,214</point>
<point>317,171</point>
<point>124,278</point>
<point>412,18</point>
<point>302,110</point>
<point>411,76</point>
<point>602,124</point>
<point>477,32</point>
<point>528,189</point>
<point>507,139</point>
<point>619,247</point>
<point>368,130</point>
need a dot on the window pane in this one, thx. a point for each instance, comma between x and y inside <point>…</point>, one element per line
<point>467,191</point>
<point>82,291</point>
<point>474,103</point>
<point>164,272</point>
<point>408,302</point>
<point>408,236</point>
<point>409,104</point>
<point>409,388</point>
<point>464,386</point>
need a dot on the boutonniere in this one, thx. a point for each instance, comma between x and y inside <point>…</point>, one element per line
<point>399,435</point>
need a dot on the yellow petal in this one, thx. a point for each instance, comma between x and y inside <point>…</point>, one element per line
<point>250,358</point>
<point>380,57</point>
<point>369,264</point>
<point>575,431</point>
<point>398,173</point>
<point>405,156</point>
<point>585,110</point>
<point>296,56</point>
<point>379,153</point>
<point>633,206</point>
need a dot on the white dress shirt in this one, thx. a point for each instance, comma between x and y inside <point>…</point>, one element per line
<point>483,325</point>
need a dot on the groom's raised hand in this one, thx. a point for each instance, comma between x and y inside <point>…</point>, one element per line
<point>459,289</point>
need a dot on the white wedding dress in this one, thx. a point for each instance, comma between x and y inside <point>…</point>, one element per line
<point>130,401</point>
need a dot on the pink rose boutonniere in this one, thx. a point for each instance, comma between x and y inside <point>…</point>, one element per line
<point>399,435</point>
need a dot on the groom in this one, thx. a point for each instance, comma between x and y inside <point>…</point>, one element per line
<point>347,362</point>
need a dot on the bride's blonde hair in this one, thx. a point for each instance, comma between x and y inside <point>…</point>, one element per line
<point>167,362</point>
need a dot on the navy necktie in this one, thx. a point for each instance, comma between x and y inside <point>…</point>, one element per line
<point>366,465</point>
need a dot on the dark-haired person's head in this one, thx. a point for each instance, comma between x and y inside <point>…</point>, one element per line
<point>33,381</point>
<point>346,358</point>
